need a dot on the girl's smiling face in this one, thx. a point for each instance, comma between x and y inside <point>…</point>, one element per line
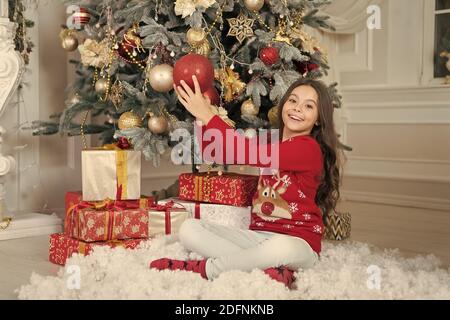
<point>300,112</point>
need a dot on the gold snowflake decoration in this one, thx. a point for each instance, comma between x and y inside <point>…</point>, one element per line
<point>116,95</point>
<point>241,27</point>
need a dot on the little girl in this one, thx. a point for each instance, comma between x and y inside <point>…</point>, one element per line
<point>286,220</point>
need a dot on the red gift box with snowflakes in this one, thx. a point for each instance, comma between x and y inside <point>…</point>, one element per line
<point>62,247</point>
<point>228,188</point>
<point>106,220</point>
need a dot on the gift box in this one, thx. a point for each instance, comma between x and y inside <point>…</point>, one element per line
<point>62,247</point>
<point>111,174</point>
<point>338,226</point>
<point>229,188</point>
<point>107,220</point>
<point>72,198</point>
<point>236,217</point>
<point>166,218</point>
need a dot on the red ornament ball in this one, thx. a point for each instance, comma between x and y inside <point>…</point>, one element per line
<point>130,52</point>
<point>313,66</point>
<point>194,64</point>
<point>81,17</point>
<point>269,55</point>
<point>213,96</point>
<point>305,67</point>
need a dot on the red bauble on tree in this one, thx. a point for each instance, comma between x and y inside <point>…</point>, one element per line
<point>81,17</point>
<point>304,67</point>
<point>194,64</point>
<point>269,55</point>
<point>213,96</point>
<point>131,49</point>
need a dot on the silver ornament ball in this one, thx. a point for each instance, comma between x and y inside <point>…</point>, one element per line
<point>254,5</point>
<point>158,125</point>
<point>250,133</point>
<point>161,78</point>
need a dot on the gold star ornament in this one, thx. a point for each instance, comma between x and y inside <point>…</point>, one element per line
<point>241,27</point>
<point>232,85</point>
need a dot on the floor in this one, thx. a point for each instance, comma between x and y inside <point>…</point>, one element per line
<point>18,259</point>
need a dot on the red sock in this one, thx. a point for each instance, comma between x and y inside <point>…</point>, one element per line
<point>197,266</point>
<point>281,274</point>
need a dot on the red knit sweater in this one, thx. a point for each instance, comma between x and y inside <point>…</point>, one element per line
<point>284,202</point>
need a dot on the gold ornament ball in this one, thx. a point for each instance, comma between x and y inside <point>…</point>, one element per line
<point>204,49</point>
<point>69,43</point>
<point>101,86</point>
<point>161,77</point>
<point>158,125</point>
<point>254,5</point>
<point>129,120</point>
<point>248,108</point>
<point>195,36</point>
<point>273,117</point>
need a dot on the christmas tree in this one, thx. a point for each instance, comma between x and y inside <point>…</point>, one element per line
<point>129,49</point>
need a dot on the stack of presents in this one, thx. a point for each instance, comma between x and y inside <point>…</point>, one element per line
<point>110,210</point>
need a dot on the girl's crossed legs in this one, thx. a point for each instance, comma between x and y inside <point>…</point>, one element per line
<point>233,249</point>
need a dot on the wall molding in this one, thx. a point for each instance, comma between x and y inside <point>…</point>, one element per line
<point>396,200</point>
<point>397,105</point>
<point>419,170</point>
<point>390,94</point>
<point>400,160</point>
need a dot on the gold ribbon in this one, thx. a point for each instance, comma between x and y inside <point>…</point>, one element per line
<point>82,247</point>
<point>202,187</point>
<point>121,169</point>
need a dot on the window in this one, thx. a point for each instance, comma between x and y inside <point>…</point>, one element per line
<point>442,37</point>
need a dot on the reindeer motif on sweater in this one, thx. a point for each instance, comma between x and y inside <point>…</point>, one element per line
<point>269,204</point>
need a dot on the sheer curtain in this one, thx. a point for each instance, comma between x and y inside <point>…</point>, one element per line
<point>348,16</point>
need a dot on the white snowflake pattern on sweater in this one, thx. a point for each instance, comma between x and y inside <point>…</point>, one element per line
<point>317,229</point>
<point>293,207</point>
<point>306,216</point>
<point>301,194</point>
<point>286,181</point>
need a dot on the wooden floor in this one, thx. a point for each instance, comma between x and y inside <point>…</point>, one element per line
<point>18,259</point>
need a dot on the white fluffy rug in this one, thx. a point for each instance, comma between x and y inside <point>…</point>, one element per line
<point>346,271</point>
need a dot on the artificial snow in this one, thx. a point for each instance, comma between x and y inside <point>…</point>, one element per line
<point>350,270</point>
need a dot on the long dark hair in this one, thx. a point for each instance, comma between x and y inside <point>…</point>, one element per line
<point>325,134</point>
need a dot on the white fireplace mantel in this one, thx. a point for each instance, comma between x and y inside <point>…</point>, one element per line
<point>11,71</point>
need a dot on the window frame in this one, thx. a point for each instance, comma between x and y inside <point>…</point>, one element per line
<point>429,35</point>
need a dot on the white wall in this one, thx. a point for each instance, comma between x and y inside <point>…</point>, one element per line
<point>397,119</point>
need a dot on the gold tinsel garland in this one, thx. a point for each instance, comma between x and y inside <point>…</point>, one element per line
<point>22,42</point>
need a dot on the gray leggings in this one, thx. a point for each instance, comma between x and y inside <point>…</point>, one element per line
<point>235,249</point>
